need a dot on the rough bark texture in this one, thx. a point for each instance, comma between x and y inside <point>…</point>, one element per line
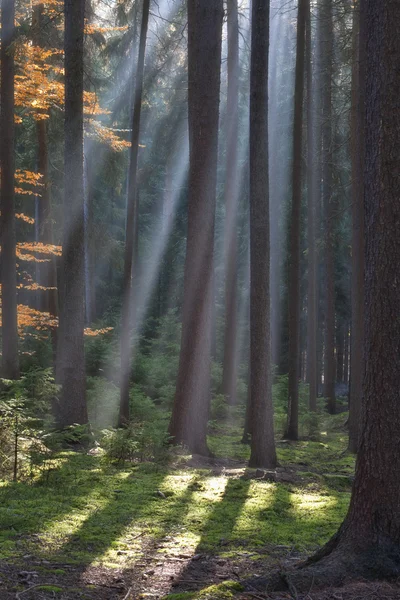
<point>340,336</point>
<point>10,360</point>
<point>131,235</point>
<point>262,429</point>
<point>47,272</point>
<point>311,228</point>
<point>328,199</point>
<point>357,281</point>
<point>191,407</point>
<point>232,184</point>
<point>73,401</point>
<point>292,430</point>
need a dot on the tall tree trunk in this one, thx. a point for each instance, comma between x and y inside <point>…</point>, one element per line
<point>132,229</point>
<point>292,430</point>
<point>47,272</point>
<point>10,360</point>
<point>263,452</point>
<point>191,407</point>
<point>311,225</point>
<point>232,187</point>
<point>328,199</point>
<point>357,281</point>
<point>73,378</point>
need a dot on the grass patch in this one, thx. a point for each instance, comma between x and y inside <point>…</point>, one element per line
<point>88,512</point>
<point>223,591</point>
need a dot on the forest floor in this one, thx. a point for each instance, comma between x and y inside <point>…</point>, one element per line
<point>88,530</point>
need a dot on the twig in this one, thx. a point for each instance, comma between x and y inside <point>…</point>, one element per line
<point>127,594</point>
<point>255,596</point>
<point>19,594</point>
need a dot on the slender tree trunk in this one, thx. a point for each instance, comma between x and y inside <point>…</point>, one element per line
<point>191,407</point>
<point>73,378</point>
<point>357,281</point>
<point>292,430</point>
<point>263,452</point>
<point>311,226</point>
<point>232,186</point>
<point>346,355</point>
<point>47,272</point>
<point>132,230</point>
<point>10,360</point>
<point>328,199</point>
<point>340,335</point>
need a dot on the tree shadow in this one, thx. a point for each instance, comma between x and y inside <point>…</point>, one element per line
<point>217,534</point>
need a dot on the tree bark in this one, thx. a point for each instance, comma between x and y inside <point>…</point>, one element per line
<point>263,452</point>
<point>232,186</point>
<point>311,225</point>
<point>292,429</point>
<point>328,199</point>
<point>358,232</point>
<point>131,236</point>
<point>189,418</point>
<point>10,359</point>
<point>71,346</point>
<point>47,271</point>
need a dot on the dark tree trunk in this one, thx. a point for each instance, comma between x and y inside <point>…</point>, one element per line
<point>48,299</point>
<point>263,452</point>
<point>10,360</point>
<point>328,199</point>
<point>311,225</point>
<point>346,365</point>
<point>357,281</point>
<point>191,407</point>
<point>292,430</point>
<point>232,184</point>
<point>340,336</point>
<point>71,347</point>
<point>131,236</point>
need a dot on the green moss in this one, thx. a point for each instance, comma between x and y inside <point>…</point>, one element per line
<point>223,591</point>
<point>49,588</point>
<point>87,512</point>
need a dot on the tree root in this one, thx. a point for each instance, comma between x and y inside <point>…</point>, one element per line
<point>331,569</point>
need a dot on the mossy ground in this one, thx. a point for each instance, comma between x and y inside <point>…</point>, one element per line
<point>87,512</point>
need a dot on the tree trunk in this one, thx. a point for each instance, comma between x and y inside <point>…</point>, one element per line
<point>191,407</point>
<point>292,430</point>
<point>73,401</point>
<point>347,346</point>
<point>10,360</point>
<point>357,281</point>
<point>328,199</point>
<point>263,452</point>
<point>340,337</point>
<point>47,272</point>
<point>132,230</point>
<point>311,228</point>
<point>232,188</point>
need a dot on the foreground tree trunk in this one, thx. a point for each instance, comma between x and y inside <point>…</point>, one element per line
<point>232,183</point>
<point>262,424</point>
<point>292,430</point>
<point>191,407</point>
<point>357,281</point>
<point>71,348</point>
<point>131,236</point>
<point>10,360</point>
